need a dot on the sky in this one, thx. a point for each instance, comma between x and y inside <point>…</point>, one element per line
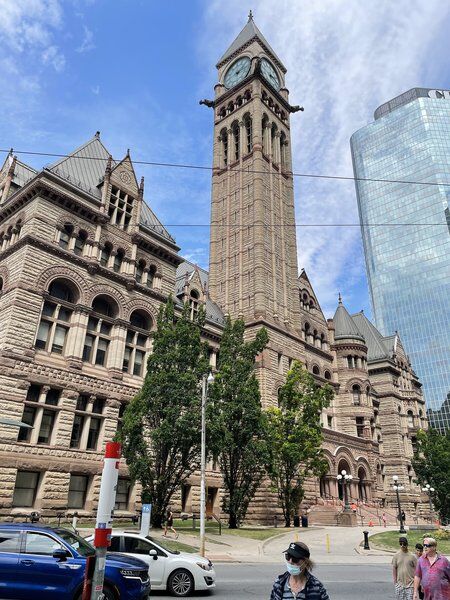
<point>135,70</point>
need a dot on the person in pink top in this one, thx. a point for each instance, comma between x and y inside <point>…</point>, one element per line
<point>432,573</point>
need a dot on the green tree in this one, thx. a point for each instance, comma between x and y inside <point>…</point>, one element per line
<point>236,419</point>
<point>432,465</point>
<point>161,426</point>
<point>294,438</point>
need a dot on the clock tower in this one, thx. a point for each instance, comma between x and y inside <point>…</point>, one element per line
<point>253,270</point>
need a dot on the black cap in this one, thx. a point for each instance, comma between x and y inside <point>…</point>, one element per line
<point>298,550</point>
<point>403,540</point>
<point>419,546</point>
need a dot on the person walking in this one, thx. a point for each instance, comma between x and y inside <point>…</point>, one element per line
<point>403,569</point>
<point>297,582</point>
<point>169,525</point>
<point>419,552</point>
<point>383,518</point>
<point>432,573</point>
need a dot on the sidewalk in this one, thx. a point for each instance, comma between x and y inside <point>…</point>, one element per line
<point>344,546</point>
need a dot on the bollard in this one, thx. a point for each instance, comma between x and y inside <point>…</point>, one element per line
<point>327,539</point>
<point>366,540</point>
<point>275,521</point>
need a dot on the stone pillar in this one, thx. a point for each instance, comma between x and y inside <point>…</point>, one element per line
<point>86,424</point>
<point>77,333</point>
<point>117,348</point>
<point>38,418</point>
<point>64,425</point>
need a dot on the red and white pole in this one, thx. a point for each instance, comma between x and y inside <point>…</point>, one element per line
<point>103,528</point>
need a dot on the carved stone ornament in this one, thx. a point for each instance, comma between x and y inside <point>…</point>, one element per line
<point>125,177</point>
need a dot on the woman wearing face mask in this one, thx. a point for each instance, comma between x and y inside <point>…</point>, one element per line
<point>297,582</point>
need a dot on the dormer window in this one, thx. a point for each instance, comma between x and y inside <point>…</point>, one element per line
<point>194,303</point>
<point>120,208</point>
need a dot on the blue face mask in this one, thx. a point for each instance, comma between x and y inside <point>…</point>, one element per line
<point>293,569</point>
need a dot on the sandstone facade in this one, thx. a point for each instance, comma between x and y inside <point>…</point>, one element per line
<point>85,266</point>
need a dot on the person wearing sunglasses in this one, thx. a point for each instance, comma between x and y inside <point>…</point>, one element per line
<point>432,573</point>
<point>403,568</point>
<point>297,582</point>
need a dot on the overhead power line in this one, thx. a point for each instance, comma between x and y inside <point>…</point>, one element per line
<point>234,170</point>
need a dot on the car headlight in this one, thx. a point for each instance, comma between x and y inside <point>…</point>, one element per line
<point>205,566</point>
<point>133,574</point>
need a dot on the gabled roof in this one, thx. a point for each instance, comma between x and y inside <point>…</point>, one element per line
<point>213,311</point>
<point>85,166</point>
<point>378,347</point>
<point>247,35</point>
<point>22,172</point>
<point>344,326</point>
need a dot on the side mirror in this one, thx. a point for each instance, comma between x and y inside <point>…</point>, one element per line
<point>60,554</point>
<point>154,554</point>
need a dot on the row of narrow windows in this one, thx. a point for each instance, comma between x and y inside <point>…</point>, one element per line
<point>232,105</point>
<point>144,273</point>
<point>58,316</point>
<point>313,337</point>
<point>356,362</point>
<point>315,369</point>
<point>10,236</point>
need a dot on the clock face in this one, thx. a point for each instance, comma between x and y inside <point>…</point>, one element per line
<point>270,74</point>
<point>237,72</point>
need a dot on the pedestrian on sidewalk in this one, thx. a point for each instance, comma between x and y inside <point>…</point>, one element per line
<point>419,552</point>
<point>432,573</point>
<point>403,568</point>
<point>383,518</point>
<point>297,582</point>
<point>169,524</point>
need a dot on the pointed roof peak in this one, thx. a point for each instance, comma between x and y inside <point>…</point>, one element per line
<point>339,298</point>
<point>250,33</point>
<point>344,326</point>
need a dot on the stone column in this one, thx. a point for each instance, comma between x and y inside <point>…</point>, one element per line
<point>67,401</point>
<point>117,348</point>
<point>38,418</point>
<point>77,333</point>
<point>86,424</point>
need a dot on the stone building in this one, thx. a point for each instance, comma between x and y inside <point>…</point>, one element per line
<point>85,265</point>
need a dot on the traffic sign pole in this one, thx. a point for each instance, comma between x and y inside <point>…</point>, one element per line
<point>103,528</point>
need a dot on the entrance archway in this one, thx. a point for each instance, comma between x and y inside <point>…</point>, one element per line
<point>362,494</point>
<point>342,466</point>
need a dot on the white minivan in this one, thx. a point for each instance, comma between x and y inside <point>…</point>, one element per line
<point>180,573</point>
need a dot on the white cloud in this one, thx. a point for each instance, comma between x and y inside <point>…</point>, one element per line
<point>87,43</point>
<point>52,56</point>
<point>344,58</point>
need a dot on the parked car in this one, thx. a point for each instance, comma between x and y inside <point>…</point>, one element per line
<point>49,563</point>
<point>180,573</point>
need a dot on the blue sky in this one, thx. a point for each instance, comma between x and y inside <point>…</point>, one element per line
<point>136,69</point>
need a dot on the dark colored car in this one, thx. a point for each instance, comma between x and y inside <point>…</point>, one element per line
<point>49,563</point>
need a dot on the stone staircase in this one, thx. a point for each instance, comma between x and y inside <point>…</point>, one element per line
<point>324,514</point>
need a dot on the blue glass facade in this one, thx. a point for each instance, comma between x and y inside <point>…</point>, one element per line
<point>406,232</point>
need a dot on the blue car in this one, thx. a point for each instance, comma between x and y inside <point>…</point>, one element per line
<point>49,564</point>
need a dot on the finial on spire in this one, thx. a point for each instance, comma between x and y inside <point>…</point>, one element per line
<point>141,188</point>
<point>128,152</point>
<point>340,298</point>
<point>97,134</point>
<point>250,16</point>
<point>11,151</point>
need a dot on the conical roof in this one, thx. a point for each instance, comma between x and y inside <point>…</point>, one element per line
<point>247,35</point>
<point>344,326</point>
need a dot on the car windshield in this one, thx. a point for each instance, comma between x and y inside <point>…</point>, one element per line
<point>150,539</point>
<point>76,542</point>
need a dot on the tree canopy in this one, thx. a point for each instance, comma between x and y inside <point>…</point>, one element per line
<point>236,421</point>
<point>432,465</point>
<point>161,425</point>
<point>294,437</point>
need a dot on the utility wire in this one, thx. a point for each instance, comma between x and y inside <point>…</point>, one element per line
<point>234,170</point>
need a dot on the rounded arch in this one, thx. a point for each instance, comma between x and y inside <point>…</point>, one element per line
<point>46,277</point>
<point>63,289</point>
<point>141,319</point>
<point>343,453</point>
<point>104,304</point>
<point>141,305</point>
<point>106,290</point>
<point>316,370</point>
<point>327,375</point>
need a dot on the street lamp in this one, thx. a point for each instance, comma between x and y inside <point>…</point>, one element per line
<point>207,379</point>
<point>429,490</point>
<point>346,480</point>
<point>398,488</point>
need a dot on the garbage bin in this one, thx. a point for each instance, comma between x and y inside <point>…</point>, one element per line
<point>304,521</point>
<point>296,521</point>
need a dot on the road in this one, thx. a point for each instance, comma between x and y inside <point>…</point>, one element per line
<point>343,582</point>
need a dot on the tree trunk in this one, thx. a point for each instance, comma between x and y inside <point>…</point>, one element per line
<point>232,521</point>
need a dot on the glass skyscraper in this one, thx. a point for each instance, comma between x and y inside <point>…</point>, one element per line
<point>406,232</point>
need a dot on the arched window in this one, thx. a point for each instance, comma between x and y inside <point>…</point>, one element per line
<point>56,316</point>
<point>283,148</point>
<point>1,285</point>
<point>356,392</point>
<point>248,133</point>
<point>151,275</point>
<point>410,417</point>
<point>236,144</point>
<point>106,254</point>
<point>80,242</point>
<point>230,107</point>
<point>118,260</point>
<point>137,343</point>
<point>273,133</point>
<point>140,271</point>
<point>350,364</point>
<point>264,129</point>
<point>100,326</point>
<point>316,370</point>
<point>327,375</point>
<point>65,235</point>
<point>194,303</point>
<point>247,95</point>
<point>224,140</point>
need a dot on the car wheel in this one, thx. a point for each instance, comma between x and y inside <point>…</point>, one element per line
<point>181,583</point>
